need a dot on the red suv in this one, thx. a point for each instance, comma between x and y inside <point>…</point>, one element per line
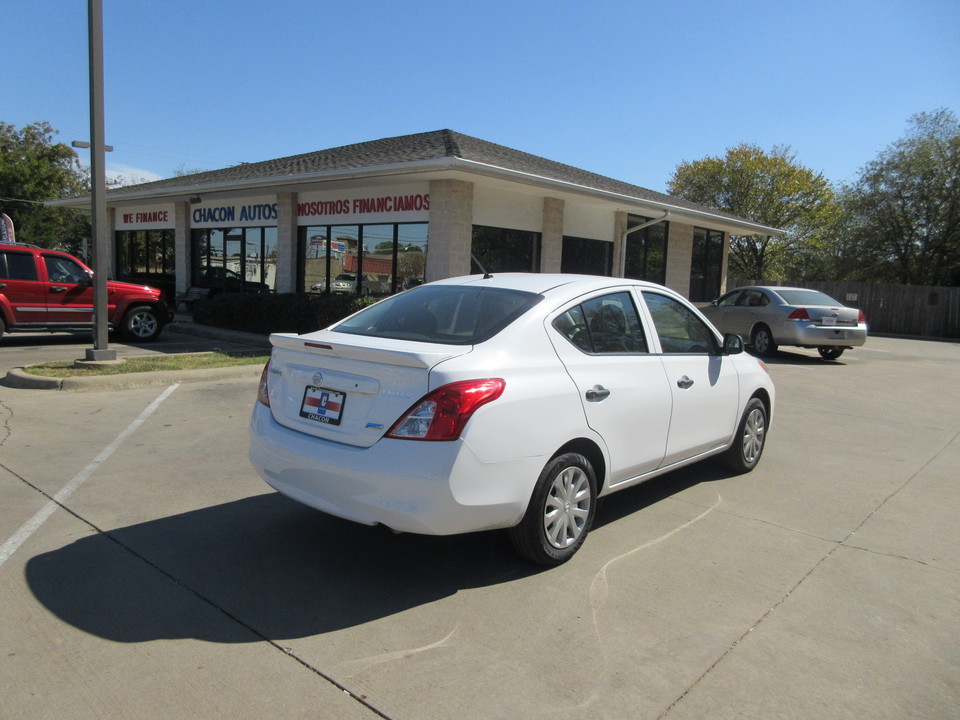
<point>49,290</point>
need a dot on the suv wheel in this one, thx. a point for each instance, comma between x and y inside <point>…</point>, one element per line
<point>141,324</point>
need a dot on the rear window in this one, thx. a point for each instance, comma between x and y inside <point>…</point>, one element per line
<point>446,314</point>
<point>806,297</point>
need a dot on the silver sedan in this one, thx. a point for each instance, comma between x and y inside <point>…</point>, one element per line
<point>768,317</point>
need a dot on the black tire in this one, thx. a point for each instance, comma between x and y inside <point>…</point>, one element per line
<point>744,453</point>
<point>560,513</point>
<point>830,353</point>
<point>2,326</point>
<point>141,324</point>
<point>762,341</point>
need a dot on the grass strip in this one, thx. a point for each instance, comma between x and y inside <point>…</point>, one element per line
<point>151,363</point>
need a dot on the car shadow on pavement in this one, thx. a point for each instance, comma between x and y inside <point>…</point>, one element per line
<point>786,357</point>
<point>266,567</point>
<point>272,568</point>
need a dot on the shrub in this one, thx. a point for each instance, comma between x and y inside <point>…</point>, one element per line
<point>267,313</point>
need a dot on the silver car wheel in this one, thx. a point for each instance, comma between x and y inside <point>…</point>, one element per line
<point>567,508</point>
<point>754,431</point>
<point>141,324</point>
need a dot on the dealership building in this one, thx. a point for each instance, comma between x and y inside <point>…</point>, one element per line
<point>381,216</point>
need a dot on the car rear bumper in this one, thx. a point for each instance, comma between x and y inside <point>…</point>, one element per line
<point>431,488</point>
<point>808,334</point>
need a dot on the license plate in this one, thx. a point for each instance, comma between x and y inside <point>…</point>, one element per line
<point>322,405</point>
<point>828,321</point>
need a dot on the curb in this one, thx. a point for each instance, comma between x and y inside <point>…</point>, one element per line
<point>18,378</point>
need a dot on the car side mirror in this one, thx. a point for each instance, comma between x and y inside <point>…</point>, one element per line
<point>732,344</point>
<point>86,280</point>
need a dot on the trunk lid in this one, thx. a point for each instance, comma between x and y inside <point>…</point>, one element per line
<point>349,388</point>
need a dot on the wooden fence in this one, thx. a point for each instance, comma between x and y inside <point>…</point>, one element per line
<point>924,311</point>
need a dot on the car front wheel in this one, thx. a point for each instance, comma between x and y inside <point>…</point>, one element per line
<point>141,324</point>
<point>560,513</point>
<point>744,453</point>
<point>762,341</point>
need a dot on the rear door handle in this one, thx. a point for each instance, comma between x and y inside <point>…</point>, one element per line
<point>597,393</point>
<point>684,383</point>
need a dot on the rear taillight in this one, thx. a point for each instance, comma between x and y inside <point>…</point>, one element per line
<point>263,392</point>
<point>861,317</point>
<point>442,414</point>
<point>799,314</point>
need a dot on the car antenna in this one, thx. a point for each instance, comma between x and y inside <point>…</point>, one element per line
<point>486,275</point>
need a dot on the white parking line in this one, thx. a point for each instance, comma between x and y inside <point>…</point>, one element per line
<point>20,536</point>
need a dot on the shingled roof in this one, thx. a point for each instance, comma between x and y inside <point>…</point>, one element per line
<point>394,152</point>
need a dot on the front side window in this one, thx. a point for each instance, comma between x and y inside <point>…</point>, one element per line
<point>63,270</point>
<point>680,330</point>
<point>607,325</point>
<point>730,299</point>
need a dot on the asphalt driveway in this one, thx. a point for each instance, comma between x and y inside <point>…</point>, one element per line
<point>145,571</point>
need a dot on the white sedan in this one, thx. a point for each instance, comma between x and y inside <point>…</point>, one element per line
<point>505,401</point>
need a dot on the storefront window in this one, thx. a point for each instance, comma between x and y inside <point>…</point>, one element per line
<point>646,255</point>
<point>503,250</point>
<point>706,267</point>
<point>586,257</point>
<point>362,259</point>
<point>146,257</point>
<point>235,259</point>
<point>411,255</point>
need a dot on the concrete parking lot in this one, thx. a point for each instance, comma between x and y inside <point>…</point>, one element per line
<point>148,573</point>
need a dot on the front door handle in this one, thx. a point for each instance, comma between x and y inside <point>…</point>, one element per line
<point>58,288</point>
<point>597,393</point>
<point>684,383</point>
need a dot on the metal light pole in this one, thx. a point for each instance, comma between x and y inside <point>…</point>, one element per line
<point>98,180</point>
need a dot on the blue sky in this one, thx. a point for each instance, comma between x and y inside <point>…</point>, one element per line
<point>625,89</point>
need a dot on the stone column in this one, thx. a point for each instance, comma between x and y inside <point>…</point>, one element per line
<point>286,242</point>
<point>551,247</point>
<point>450,229</point>
<point>182,251</point>
<point>679,257</point>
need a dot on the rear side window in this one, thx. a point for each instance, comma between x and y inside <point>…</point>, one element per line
<point>607,325</point>
<point>446,314</point>
<point>17,266</point>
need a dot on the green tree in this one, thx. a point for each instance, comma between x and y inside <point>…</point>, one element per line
<point>903,212</point>
<point>33,169</point>
<point>772,189</point>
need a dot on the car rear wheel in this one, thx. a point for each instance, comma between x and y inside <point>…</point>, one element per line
<point>744,453</point>
<point>141,324</point>
<point>762,340</point>
<point>560,513</point>
<point>830,353</point>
